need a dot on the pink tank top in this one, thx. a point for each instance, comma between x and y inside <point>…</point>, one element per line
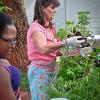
<point>33,52</point>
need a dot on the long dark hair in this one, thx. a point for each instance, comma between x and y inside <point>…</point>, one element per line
<point>38,13</point>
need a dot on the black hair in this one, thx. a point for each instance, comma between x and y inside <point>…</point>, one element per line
<point>38,13</point>
<point>4,21</point>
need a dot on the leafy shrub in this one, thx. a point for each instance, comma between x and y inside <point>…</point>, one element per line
<point>77,79</point>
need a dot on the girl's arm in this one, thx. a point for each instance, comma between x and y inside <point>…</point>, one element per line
<point>42,45</point>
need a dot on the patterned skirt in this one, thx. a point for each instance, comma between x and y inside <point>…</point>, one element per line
<point>39,79</point>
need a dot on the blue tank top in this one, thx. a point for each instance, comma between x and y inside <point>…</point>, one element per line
<point>15,77</point>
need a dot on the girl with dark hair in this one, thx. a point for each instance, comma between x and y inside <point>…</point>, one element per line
<point>43,48</point>
<point>9,75</point>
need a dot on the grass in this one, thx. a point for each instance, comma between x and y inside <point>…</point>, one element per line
<point>24,81</point>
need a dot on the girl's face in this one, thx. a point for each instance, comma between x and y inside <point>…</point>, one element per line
<point>7,40</point>
<point>49,12</point>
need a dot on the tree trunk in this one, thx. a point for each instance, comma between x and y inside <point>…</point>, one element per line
<point>18,56</point>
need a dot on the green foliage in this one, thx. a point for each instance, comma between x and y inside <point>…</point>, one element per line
<point>88,88</point>
<point>62,34</point>
<point>2,7</point>
<point>67,31</point>
<point>74,67</point>
<point>83,18</point>
<point>71,28</point>
<point>24,81</point>
<point>77,79</point>
<point>83,22</point>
